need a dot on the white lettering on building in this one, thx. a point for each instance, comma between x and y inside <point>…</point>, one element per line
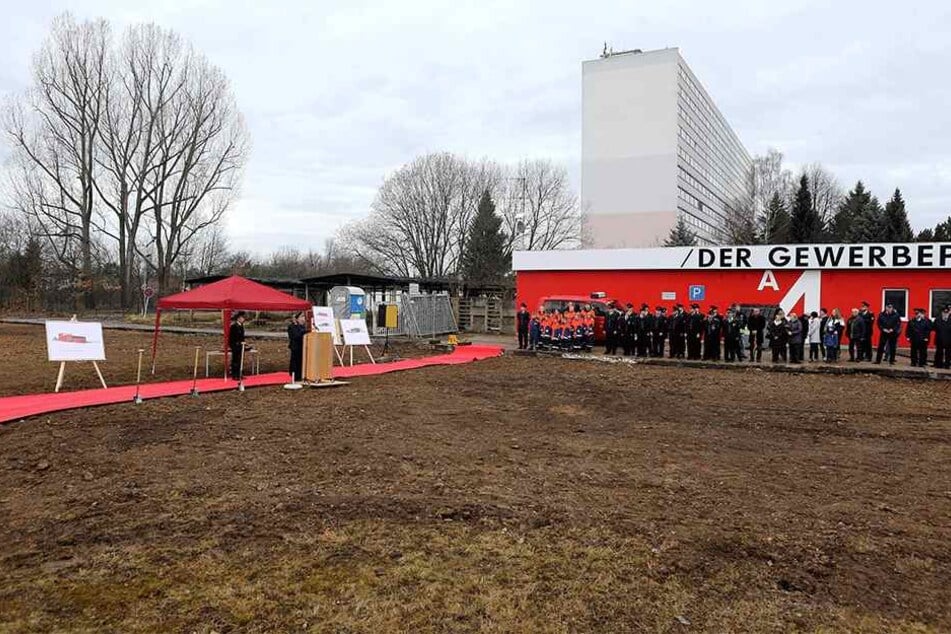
<point>768,279</point>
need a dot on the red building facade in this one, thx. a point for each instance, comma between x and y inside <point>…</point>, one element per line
<point>793,277</point>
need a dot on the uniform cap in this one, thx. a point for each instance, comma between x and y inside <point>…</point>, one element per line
<point>920,310</point>
<point>644,306</point>
<point>695,306</point>
<point>713,308</point>
<point>866,304</point>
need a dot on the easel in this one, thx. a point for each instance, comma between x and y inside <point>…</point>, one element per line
<point>62,371</point>
<point>367,348</point>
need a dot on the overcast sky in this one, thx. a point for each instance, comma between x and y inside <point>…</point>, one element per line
<point>338,94</point>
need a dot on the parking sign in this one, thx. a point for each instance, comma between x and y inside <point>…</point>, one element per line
<point>697,292</point>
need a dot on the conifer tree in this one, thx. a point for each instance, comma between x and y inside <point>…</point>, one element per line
<point>681,235</point>
<point>486,260</point>
<point>805,224</point>
<point>777,221</point>
<point>896,227</point>
<point>852,208</point>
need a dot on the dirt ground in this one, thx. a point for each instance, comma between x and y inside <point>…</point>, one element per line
<point>515,494</point>
<point>25,369</point>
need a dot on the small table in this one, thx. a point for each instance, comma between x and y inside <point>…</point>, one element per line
<point>249,355</point>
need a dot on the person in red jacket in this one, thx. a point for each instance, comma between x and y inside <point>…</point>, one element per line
<point>547,324</point>
<point>588,317</point>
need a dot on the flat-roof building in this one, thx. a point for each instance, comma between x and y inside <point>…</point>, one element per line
<point>654,147</point>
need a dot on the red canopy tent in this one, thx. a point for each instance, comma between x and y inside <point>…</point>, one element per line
<point>232,293</point>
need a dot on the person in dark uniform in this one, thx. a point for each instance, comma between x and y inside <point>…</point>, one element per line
<point>918,332</point>
<point>713,334</point>
<point>889,325</point>
<point>694,331</point>
<point>645,323</point>
<point>731,337</point>
<point>295,343</point>
<point>235,342</point>
<point>742,327</point>
<point>523,319</point>
<point>661,326</point>
<point>869,318</point>
<point>629,325</point>
<point>757,324</point>
<point>857,329</point>
<point>678,333</point>
<point>778,335</point>
<point>942,339</point>
<point>611,329</point>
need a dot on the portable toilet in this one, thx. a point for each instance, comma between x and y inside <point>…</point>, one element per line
<point>348,302</point>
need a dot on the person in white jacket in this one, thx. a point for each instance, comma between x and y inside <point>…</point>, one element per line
<point>814,336</point>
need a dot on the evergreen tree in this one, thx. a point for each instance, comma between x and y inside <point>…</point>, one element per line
<point>896,227</point>
<point>925,235</point>
<point>869,224</point>
<point>681,235</point>
<point>486,260</point>
<point>805,224</point>
<point>777,221</point>
<point>859,218</point>
<point>851,208</point>
<point>942,231</point>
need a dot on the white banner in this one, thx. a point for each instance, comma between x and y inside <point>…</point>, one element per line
<point>355,332</point>
<point>324,322</point>
<point>924,255</point>
<point>74,341</point>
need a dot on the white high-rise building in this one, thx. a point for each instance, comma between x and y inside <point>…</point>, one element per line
<point>654,147</point>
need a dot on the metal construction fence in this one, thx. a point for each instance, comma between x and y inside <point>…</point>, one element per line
<point>424,315</point>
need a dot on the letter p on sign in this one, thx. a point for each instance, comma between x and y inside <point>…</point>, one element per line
<point>697,292</point>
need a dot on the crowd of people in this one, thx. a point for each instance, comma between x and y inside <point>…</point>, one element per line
<point>738,334</point>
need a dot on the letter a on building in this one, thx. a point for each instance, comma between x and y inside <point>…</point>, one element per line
<point>768,279</point>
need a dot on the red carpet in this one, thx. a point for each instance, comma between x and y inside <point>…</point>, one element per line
<point>17,407</point>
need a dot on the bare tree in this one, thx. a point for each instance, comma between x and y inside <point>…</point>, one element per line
<point>416,217</point>
<point>54,131</point>
<point>539,209</point>
<point>124,155</point>
<point>201,148</point>
<point>740,225</point>
<point>827,194</point>
<point>210,253</point>
<point>769,179</point>
<point>146,75</point>
<point>420,219</point>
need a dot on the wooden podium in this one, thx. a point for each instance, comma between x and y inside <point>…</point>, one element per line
<point>318,357</point>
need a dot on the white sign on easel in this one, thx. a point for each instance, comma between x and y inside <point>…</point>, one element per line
<point>75,341</point>
<point>324,321</point>
<point>355,333</point>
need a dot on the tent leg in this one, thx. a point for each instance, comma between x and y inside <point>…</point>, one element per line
<point>158,317</point>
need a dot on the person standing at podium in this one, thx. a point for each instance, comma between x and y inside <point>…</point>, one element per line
<point>295,342</point>
<point>235,343</point>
